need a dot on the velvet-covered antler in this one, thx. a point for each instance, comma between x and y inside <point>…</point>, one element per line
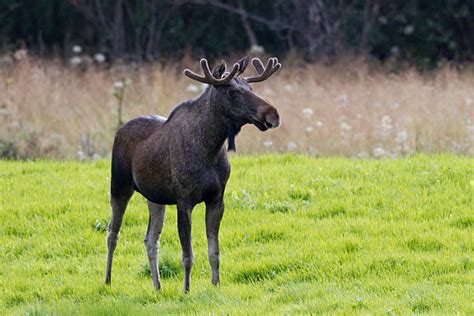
<point>208,78</point>
<point>264,72</point>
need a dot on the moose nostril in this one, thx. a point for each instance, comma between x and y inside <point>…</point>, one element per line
<point>272,123</point>
<point>273,119</point>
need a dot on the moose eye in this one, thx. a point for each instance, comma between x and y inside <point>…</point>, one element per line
<point>232,94</point>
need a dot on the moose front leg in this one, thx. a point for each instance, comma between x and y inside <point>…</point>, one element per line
<point>214,213</point>
<point>184,229</point>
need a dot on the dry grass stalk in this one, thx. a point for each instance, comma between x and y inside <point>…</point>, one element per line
<point>48,109</point>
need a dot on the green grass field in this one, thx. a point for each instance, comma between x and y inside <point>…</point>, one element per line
<point>298,235</point>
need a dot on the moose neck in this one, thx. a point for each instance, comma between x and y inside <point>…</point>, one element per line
<point>214,127</point>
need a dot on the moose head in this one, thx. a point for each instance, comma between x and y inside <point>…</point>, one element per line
<point>234,97</point>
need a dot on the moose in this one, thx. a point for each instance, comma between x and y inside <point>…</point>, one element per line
<point>182,160</point>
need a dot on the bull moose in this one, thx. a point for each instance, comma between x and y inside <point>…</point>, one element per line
<point>182,160</point>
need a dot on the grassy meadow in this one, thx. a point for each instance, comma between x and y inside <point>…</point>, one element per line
<point>299,235</point>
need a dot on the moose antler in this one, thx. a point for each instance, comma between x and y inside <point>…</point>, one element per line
<point>263,72</point>
<point>208,78</point>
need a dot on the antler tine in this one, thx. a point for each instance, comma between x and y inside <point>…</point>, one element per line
<point>192,75</point>
<point>206,70</point>
<point>208,78</point>
<point>232,74</point>
<point>258,65</point>
<point>264,72</point>
<point>243,63</point>
<point>207,75</point>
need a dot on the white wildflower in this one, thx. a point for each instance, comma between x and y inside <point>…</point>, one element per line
<point>468,101</point>
<point>401,137</point>
<point>378,152</point>
<point>57,137</point>
<point>409,29</point>
<point>192,88</point>
<point>81,155</point>
<point>268,143</point>
<point>257,49</point>
<point>395,51</point>
<point>118,84</point>
<point>76,49</point>
<point>319,123</point>
<point>345,127</point>
<point>386,123</point>
<point>307,112</point>
<point>20,54</point>
<point>292,146</point>
<point>309,129</point>
<point>99,57</point>
<point>288,87</point>
<point>76,60</point>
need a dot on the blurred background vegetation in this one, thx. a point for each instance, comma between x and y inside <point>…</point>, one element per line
<point>421,32</point>
<point>372,78</point>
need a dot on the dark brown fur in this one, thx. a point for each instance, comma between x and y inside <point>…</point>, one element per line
<point>183,161</point>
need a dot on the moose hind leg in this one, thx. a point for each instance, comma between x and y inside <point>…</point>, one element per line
<point>184,229</point>
<point>214,213</point>
<point>119,205</point>
<point>152,239</point>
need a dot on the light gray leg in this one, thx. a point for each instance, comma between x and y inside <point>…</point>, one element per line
<point>119,205</point>
<point>214,213</point>
<point>152,239</point>
<point>184,229</point>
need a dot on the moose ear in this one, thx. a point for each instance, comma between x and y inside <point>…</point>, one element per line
<point>219,70</point>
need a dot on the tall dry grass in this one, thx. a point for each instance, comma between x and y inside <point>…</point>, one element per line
<point>51,109</point>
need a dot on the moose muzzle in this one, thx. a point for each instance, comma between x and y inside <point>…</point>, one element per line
<point>267,115</point>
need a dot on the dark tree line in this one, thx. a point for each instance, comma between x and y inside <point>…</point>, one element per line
<point>421,31</point>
